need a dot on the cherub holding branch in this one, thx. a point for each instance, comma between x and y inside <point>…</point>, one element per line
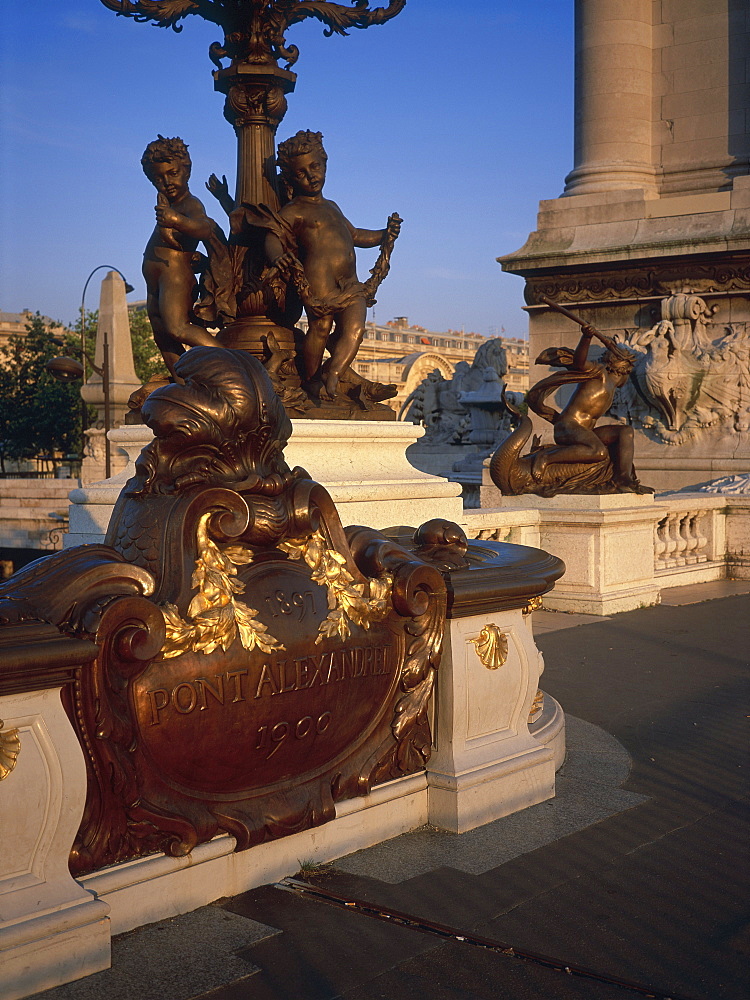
<point>318,257</point>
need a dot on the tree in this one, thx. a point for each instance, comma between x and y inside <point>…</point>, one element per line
<point>146,357</point>
<point>38,415</point>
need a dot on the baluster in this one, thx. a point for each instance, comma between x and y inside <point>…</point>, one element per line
<point>701,547</point>
<point>691,540</point>
<point>672,529</point>
<point>681,537</point>
<point>660,544</point>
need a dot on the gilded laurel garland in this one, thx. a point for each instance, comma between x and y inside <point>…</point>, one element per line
<point>492,646</point>
<point>214,618</point>
<point>10,747</point>
<point>346,599</point>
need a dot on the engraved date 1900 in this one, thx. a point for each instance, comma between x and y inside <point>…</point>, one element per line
<point>271,737</point>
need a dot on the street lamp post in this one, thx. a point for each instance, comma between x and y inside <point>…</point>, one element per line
<point>66,369</point>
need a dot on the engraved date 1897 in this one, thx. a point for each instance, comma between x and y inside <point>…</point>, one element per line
<point>298,604</point>
<point>271,737</point>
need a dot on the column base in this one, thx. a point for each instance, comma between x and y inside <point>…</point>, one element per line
<point>56,948</point>
<point>461,802</point>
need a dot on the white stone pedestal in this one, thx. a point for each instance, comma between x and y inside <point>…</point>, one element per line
<point>91,506</point>
<point>51,929</point>
<point>607,545</point>
<point>486,763</point>
<point>362,464</point>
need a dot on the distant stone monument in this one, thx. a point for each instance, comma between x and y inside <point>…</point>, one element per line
<point>650,240</point>
<point>465,417</point>
<point>114,325</point>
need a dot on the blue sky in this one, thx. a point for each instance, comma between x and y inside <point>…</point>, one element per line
<point>458,114</point>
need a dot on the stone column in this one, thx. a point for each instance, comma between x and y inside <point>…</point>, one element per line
<point>255,104</point>
<point>613,97</point>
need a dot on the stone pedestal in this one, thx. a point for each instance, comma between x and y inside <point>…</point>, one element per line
<point>738,537</point>
<point>486,764</point>
<point>52,930</point>
<point>363,466</point>
<point>91,506</point>
<point>606,543</point>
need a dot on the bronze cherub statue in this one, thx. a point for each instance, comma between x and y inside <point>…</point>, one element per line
<point>584,458</point>
<point>170,255</point>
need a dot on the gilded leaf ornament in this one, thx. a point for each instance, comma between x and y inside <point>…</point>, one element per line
<point>346,599</point>
<point>214,618</point>
<point>492,646</point>
<point>10,747</point>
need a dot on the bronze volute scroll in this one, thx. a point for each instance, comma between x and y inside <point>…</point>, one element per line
<point>256,663</point>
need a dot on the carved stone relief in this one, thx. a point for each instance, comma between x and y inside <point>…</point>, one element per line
<point>690,374</point>
<point>668,279</point>
<point>466,409</point>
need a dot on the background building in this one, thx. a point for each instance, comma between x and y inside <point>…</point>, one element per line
<point>13,324</point>
<point>404,354</point>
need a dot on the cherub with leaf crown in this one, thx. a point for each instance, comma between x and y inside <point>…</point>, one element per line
<point>168,260</point>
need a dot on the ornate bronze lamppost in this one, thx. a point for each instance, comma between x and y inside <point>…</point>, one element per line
<point>254,83</point>
<point>253,295</point>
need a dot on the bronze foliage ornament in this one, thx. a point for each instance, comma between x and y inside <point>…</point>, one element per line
<point>584,459</point>
<point>256,663</point>
<point>254,29</point>
<point>214,618</point>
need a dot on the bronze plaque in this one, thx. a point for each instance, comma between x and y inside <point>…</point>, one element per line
<point>241,720</point>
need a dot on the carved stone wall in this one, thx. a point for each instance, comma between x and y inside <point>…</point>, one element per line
<point>657,206</point>
<point>688,398</point>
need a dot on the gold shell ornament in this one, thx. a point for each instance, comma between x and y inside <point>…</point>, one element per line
<point>492,646</point>
<point>10,747</point>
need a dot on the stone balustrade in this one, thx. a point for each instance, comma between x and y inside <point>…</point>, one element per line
<point>690,540</point>
<point>698,537</point>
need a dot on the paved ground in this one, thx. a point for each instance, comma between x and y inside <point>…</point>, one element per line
<point>637,869</point>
